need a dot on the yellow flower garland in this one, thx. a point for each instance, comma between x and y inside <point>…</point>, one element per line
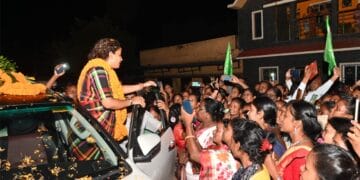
<point>120,130</point>
<point>21,87</point>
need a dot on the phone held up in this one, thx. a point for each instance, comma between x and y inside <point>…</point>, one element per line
<point>62,68</point>
<point>295,73</point>
<point>187,106</point>
<point>195,84</point>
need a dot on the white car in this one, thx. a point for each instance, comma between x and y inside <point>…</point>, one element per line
<point>45,137</point>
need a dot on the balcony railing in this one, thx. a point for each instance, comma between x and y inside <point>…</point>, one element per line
<point>310,27</point>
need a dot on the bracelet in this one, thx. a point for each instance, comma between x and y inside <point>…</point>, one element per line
<point>188,137</point>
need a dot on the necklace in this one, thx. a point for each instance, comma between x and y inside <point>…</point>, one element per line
<point>298,142</point>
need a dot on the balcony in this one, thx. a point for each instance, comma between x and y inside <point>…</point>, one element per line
<point>313,26</point>
<point>349,22</point>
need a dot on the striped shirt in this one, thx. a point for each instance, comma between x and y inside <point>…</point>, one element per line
<point>96,88</point>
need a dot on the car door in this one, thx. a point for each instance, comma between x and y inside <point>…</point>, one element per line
<point>160,164</point>
<point>87,148</point>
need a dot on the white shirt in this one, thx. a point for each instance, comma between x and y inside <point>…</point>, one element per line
<point>311,96</point>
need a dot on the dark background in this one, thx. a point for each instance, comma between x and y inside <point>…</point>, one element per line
<point>37,35</point>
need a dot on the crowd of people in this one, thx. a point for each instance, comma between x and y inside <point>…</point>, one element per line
<point>291,130</point>
<point>271,131</point>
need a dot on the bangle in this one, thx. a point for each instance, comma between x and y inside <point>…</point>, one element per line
<point>188,137</point>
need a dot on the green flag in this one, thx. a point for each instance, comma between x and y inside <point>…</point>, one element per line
<point>329,51</point>
<point>228,68</point>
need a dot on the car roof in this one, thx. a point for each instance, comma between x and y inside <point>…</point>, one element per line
<point>8,102</point>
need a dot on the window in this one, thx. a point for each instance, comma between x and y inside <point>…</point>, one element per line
<point>257,25</point>
<point>310,18</point>
<point>350,72</point>
<point>283,23</point>
<point>269,73</point>
<point>346,3</point>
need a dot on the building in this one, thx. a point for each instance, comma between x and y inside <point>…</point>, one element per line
<point>196,61</point>
<point>275,35</point>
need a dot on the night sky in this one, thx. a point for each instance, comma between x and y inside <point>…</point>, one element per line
<point>37,35</point>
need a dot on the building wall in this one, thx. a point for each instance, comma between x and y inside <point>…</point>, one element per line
<point>197,59</point>
<point>195,71</point>
<point>270,38</point>
<point>244,25</point>
<point>190,53</point>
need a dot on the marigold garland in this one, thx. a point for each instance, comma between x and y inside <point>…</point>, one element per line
<point>120,130</point>
<point>21,86</point>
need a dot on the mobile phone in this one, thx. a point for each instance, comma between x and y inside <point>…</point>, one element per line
<point>314,69</point>
<point>195,84</point>
<point>63,67</point>
<point>295,73</point>
<point>187,106</point>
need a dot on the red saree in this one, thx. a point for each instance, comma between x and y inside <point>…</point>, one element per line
<point>291,161</point>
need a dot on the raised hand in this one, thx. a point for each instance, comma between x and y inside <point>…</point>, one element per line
<point>162,105</point>
<point>56,73</point>
<point>138,100</point>
<point>149,83</point>
<point>354,137</point>
<point>288,74</point>
<point>186,117</point>
<point>336,72</point>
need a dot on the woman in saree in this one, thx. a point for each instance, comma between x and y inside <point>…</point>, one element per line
<point>300,122</point>
<point>263,112</point>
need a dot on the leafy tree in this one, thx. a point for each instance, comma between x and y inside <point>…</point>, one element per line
<point>6,64</point>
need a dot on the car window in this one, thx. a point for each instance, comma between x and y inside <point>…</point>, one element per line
<point>53,142</point>
<point>83,141</point>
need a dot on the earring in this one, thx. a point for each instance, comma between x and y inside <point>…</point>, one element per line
<point>295,132</point>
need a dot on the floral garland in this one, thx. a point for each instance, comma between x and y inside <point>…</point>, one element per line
<point>21,86</point>
<point>120,130</point>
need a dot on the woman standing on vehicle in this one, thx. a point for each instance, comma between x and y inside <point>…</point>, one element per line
<point>101,93</point>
